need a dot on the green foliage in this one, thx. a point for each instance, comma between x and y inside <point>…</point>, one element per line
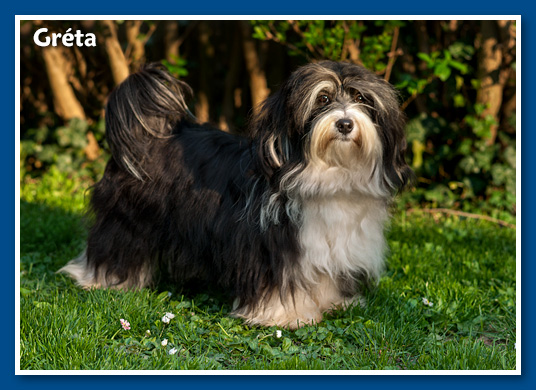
<point>62,148</point>
<point>321,39</point>
<point>465,268</point>
<point>463,169</point>
<point>177,66</point>
<point>377,45</point>
<point>482,171</point>
<point>440,66</point>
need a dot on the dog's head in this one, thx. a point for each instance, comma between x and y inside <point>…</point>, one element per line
<point>333,114</point>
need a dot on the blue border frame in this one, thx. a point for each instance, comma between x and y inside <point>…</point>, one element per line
<point>301,7</point>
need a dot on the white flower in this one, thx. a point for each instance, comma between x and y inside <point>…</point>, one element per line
<point>172,351</point>
<point>278,334</point>
<point>169,294</point>
<point>426,302</point>
<point>168,317</point>
<point>147,333</point>
<point>164,342</point>
<point>125,324</point>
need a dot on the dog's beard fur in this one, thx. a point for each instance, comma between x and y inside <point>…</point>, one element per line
<point>289,221</point>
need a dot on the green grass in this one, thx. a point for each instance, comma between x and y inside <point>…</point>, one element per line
<point>466,268</point>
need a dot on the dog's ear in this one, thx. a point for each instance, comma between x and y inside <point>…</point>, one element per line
<point>391,122</point>
<point>270,129</point>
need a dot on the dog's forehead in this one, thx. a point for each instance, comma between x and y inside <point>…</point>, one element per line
<point>338,76</point>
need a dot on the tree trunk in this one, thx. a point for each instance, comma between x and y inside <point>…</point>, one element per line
<point>92,150</point>
<point>492,73</point>
<point>171,40</point>
<point>136,46</point>
<point>206,53</point>
<point>116,58</point>
<point>257,77</point>
<point>231,78</point>
<point>350,47</point>
<point>66,104</point>
<point>422,34</point>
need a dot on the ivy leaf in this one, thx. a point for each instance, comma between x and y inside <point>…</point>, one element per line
<point>458,65</point>
<point>426,58</point>
<point>443,71</point>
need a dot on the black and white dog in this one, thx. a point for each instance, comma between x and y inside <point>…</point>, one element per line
<point>288,220</point>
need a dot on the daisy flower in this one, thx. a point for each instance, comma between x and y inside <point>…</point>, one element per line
<point>125,324</point>
<point>426,302</point>
<point>168,317</point>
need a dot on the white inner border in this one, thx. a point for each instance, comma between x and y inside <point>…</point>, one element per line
<point>517,18</point>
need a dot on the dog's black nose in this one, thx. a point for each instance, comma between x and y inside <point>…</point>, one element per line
<point>344,126</point>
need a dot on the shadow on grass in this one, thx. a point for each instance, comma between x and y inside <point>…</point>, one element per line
<point>51,236</point>
<point>49,232</point>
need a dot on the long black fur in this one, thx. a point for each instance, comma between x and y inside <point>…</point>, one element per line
<point>187,216</point>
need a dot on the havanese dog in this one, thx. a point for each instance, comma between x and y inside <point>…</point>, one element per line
<point>290,221</point>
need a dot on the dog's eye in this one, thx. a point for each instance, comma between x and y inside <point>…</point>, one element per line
<point>358,98</point>
<point>323,99</point>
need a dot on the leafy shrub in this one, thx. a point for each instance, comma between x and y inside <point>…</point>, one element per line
<point>65,148</point>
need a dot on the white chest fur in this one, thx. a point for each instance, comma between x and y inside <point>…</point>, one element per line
<point>342,235</point>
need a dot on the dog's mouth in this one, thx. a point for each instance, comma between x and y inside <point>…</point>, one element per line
<point>356,139</point>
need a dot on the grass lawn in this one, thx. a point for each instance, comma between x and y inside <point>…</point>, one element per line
<point>464,267</point>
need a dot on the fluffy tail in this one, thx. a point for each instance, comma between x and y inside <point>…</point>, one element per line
<point>144,107</point>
